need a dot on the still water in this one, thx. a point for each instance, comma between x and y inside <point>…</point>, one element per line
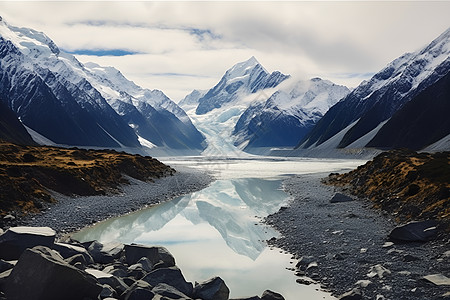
<point>218,231</point>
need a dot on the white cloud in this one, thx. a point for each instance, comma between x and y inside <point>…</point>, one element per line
<point>189,45</point>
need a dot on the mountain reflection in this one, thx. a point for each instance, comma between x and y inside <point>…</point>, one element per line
<point>228,206</point>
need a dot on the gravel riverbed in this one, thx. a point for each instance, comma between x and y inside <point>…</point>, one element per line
<point>72,213</point>
<point>345,246</point>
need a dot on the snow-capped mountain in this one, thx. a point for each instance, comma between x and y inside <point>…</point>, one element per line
<point>259,113</point>
<point>242,79</point>
<point>156,119</point>
<point>57,97</point>
<point>286,116</point>
<point>39,83</point>
<point>356,120</point>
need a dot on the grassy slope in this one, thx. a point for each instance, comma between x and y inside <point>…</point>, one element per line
<point>409,185</point>
<point>27,173</point>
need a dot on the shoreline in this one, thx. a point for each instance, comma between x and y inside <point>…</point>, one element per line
<point>70,214</point>
<point>345,246</point>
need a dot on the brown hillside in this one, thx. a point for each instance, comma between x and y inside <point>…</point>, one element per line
<point>409,185</point>
<point>27,173</point>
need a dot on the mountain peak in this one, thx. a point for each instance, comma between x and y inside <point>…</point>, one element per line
<point>244,68</point>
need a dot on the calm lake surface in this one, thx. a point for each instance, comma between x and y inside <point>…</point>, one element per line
<point>218,231</point>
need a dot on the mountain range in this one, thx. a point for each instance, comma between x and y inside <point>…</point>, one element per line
<point>403,105</point>
<point>56,96</point>
<point>252,110</point>
<point>48,96</point>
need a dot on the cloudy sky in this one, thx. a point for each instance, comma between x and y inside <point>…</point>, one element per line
<point>180,46</point>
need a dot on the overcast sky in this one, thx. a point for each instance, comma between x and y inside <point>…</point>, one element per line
<point>180,46</point>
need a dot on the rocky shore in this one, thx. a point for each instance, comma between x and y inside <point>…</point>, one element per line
<point>72,213</point>
<point>343,243</point>
<point>34,266</point>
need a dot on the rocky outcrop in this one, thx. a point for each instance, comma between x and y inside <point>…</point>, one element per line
<point>408,185</point>
<point>95,271</point>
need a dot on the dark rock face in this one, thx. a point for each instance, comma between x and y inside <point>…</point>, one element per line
<point>339,197</point>
<point>212,289</point>
<point>133,253</point>
<point>270,295</point>
<point>41,274</point>
<point>11,129</point>
<point>15,240</point>
<point>171,276</point>
<point>415,232</point>
<point>420,122</point>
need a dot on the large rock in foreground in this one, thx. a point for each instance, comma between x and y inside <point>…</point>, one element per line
<point>41,273</point>
<point>212,289</point>
<point>16,239</point>
<point>415,232</point>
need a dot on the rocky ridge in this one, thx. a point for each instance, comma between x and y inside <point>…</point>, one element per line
<point>28,174</point>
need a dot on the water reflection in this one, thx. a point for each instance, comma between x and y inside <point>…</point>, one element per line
<point>228,206</point>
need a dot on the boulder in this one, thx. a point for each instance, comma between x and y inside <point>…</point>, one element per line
<point>95,249</point>
<point>168,291</point>
<point>422,231</point>
<point>107,292</point>
<point>250,298</point>
<point>5,265</point>
<point>41,273</point>
<point>171,276</point>
<point>68,250</point>
<point>4,278</point>
<point>134,252</point>
<point>338,197</point>
<point>16,239</point>
<point>138,291</point>
<point>78,260</point>
<point>270,295</point>
<point>438,279</point>
<point>104,278</point>
<point>212,289</point>
<point>354,294</point>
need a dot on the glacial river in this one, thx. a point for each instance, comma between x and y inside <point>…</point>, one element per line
<point>218,231</point>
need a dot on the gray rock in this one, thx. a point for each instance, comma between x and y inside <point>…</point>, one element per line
<point>68,250</point>
<point>354,294</point>
<point>146,264</point>
<point>138,291</point>
<point>79,260</point>
<point>95,249</point>
<point>134,252</point>
<point>251,298</point>
<point>303,262</point>
<point>270,295</point>
<point>422,231</point>
<point>438,279</point>
<point>212,289</point>
<point>16,239</point>
<point>41,273</point>
<point>171,276</point>
<point>4,278</point>
<point>107,292</point>
<point>168,291</point>
<point>338,197</point>
<point>104,278</point>
<point>5,265</point>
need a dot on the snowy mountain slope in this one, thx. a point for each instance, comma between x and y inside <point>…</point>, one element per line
<point>39,85</point>
<point>242,79</point>
<point>286,116</point>
<point>252,116</point>
<point>152,115</point>
<point>376,100</point>
<point>69,103</point>
<point>421,122</point>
